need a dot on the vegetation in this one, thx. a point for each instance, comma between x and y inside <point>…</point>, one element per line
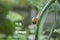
<point>16,16</point>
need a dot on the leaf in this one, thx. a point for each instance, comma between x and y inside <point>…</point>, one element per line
<point>14,16</point>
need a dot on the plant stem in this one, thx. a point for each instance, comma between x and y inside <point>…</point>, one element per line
<point>39,25</point>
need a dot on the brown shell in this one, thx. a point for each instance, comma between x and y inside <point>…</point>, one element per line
<point>34,20</point>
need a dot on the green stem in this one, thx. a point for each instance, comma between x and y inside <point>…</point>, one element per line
<point>39,25</point>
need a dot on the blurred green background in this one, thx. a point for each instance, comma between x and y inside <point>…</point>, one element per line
<point>16,19</point>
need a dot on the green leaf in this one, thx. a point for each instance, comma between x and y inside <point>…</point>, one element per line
<point>14,16</point>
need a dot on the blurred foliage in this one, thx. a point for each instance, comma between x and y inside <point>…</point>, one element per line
<point>14,16</point>
<point>8,16</point>
<point>3,11</point>
<point>37,3</point>
<point>58,38</point>
<point>7,27</point>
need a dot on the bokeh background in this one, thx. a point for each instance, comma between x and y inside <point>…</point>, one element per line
<point>16,19</point>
